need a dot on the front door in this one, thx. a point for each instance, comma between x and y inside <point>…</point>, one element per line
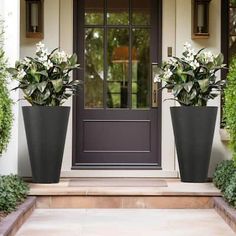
<point>117,115</point>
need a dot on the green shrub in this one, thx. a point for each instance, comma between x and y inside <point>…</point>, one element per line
<point>13,191</point>
<point>223,174</point>
<point>230,191</point>
<point>6,115</point>
<point>230,106</point>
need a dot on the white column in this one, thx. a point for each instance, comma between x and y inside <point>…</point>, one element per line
<point>10,13</point>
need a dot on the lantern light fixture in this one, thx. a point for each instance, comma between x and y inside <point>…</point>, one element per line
<point>200,19</point>
<point>34,19</point>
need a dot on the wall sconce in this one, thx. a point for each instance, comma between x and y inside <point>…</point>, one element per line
<point>200,19</point>
<point>34,19</point>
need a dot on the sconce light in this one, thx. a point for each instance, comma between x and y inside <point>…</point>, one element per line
<point>200,19</point>
<point>34,19</point>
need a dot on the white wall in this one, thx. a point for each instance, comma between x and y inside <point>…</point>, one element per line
<point>176,31</point>
<point>9,12</point>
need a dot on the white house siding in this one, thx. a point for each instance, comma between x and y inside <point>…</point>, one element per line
<point>10,13</point>
<point>176,31</point>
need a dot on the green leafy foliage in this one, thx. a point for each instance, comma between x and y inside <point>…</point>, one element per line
<point>192,77</point>
<point>223,174</point>
<point>13,191</point>
<point>230,191</point>
<point>6,115</point>
<point>45,79</point>
<point>230,106</point>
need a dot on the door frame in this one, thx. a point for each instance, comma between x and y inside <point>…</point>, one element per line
<point>77,31</point>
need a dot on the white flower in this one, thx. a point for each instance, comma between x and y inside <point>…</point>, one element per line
<point>26,61</point>
<point>167,74</point>
<point>157,79</point>
<point>194,64</point>
<point>187,46</point>
<point>39,46</point>
<point>21,74</point>
<point>207,57</point>
<point>48,64</point>
<point>60,56</point>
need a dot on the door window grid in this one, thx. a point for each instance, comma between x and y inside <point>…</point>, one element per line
<point>129,86</point>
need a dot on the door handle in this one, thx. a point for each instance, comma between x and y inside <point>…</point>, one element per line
<point>154,85</point>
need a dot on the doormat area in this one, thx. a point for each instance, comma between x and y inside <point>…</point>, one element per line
<point>117,182</point>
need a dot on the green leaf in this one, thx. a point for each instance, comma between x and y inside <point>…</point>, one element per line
<point>193,94</point>
<point>177,89</point>
<point>43,72</point>
<point>220,59</point>
<point>41,86</point>
<point>12,71</point>
<point>30,89</point>
<point>73,59</point>
<point>204,84</point>
<point>188,86</point>
<point>57,85</point>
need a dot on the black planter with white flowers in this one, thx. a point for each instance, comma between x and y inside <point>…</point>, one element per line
<point>46,84</point>
<point>192,79</point>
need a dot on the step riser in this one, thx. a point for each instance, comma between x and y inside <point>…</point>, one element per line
<point>149,202</point>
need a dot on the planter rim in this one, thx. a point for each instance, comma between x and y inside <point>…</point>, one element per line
<point>193,107</point>
<point>48,106</point>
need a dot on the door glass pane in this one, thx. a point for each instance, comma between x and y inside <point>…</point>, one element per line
<point>118,12</point>
<point>141,12</point>
<point>94,12</point>
<point>232,23</point>
<point>232,47</point>
<point>94,72</point>
<point>118,68</point>
<point>140,68</point>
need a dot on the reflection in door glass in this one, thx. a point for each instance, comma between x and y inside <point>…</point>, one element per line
<point>94,12</point>
<point>117,12</point>
<point>118,68</point>
<point>94,72</point>
<point>141,68</point>
<point>141,12</point>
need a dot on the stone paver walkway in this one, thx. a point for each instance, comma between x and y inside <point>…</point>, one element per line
<point>125,222</point>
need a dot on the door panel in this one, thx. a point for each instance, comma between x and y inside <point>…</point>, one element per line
<point>114,123</point>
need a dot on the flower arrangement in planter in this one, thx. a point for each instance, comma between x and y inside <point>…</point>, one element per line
<point>192,77</point>
<point>46,84</point>
<point>193,81</point>
<point>45,79</point>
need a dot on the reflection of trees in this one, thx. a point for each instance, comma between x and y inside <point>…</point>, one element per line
<point>94,57</point>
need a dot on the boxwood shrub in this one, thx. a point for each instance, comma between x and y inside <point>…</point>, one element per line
<point>223,173</point>
<point>230,191</point>
<point>13,191</point>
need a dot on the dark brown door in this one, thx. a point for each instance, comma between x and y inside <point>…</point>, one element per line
<point>116,121</point>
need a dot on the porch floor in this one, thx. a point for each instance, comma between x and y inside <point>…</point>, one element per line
<point>125,222</point>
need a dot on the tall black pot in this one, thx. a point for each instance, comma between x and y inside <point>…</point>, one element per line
<point>193,130</point>
<point>46,132</point>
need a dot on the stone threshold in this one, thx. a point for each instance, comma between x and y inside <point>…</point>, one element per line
<point>227,212</point>
<point>10,225</point>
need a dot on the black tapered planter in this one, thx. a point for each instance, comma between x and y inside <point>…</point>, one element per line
<point>193,130</point>
<point>46,132</point>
